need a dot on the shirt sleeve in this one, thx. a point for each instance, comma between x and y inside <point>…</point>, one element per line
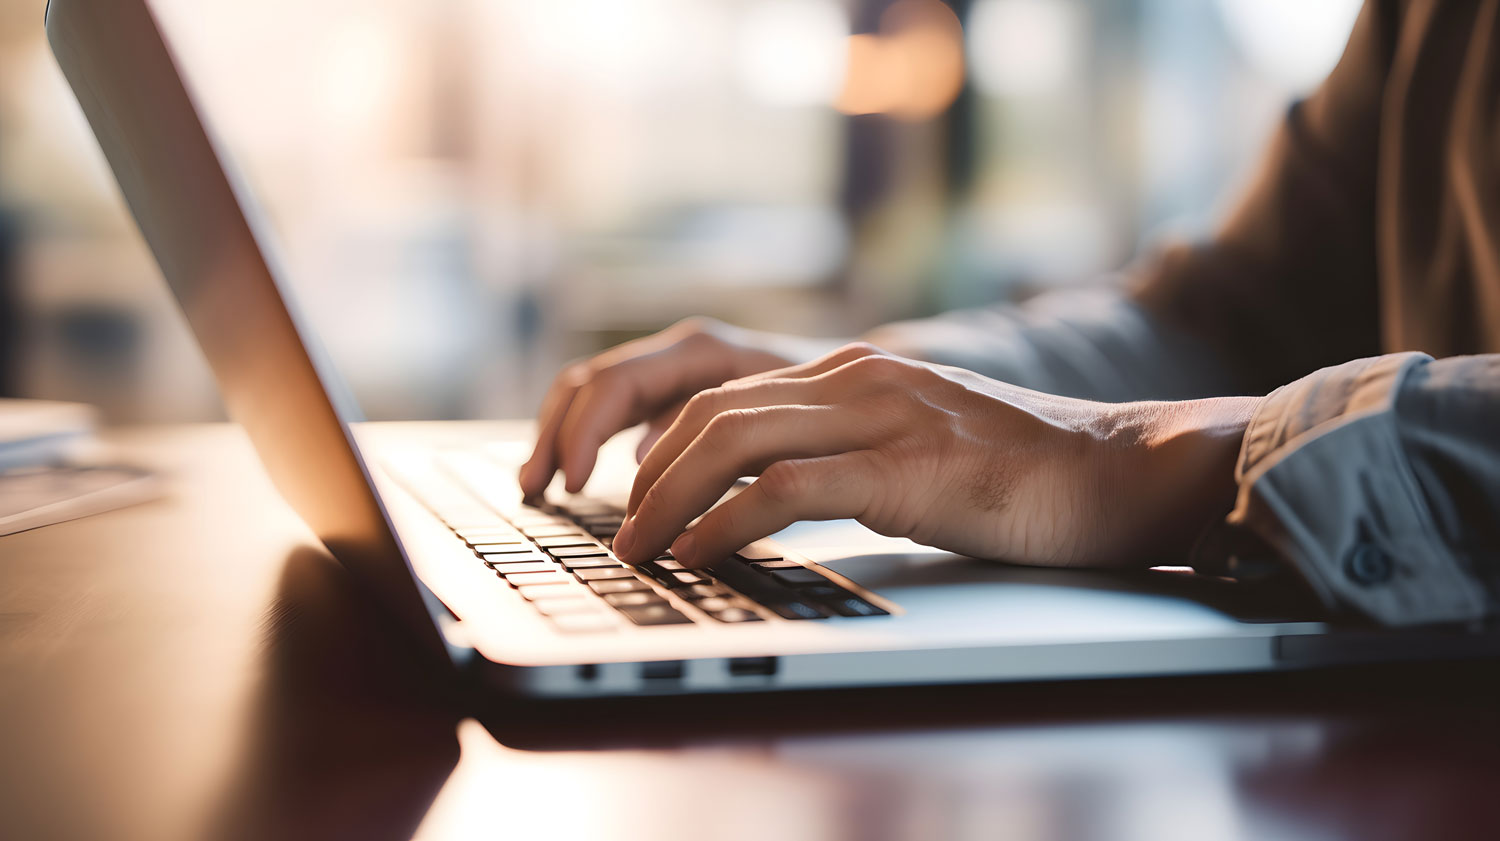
<point>1379,480</point>
<point>1091,343</point>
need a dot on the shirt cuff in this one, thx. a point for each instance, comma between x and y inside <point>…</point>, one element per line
<point>1325,483</point>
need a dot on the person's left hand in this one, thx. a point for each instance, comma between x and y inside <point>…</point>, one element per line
<point>940,455</point>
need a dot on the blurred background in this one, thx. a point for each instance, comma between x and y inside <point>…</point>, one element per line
<point>467,193</point>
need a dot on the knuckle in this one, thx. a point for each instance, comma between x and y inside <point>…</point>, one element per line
<point>697,333</point>
<point>724,428</point>
<point>859,350</point>
<point>700,407</point>
<point>786,482</point>
<point>603,379</point>
<point>694,325</point>
<point>576,374</point>
<point>876,367</point>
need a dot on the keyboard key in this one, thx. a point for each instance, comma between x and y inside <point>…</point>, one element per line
<point>588,508</point>
<point>798,610</point>
<point>779,563</point>
<point>538,578</point>
<point>557,606</point>
<point>553,531</point>
<point>652,569</point>
<point>752,554</point>
<point>502,548</point>
<point>581,623</point>
<point>702,591</point>
<point>635,599</point>
<point>464,521</point>
<point>604,531</point>
<point>578,552</point>
<point>589,563</point>
<point>618,585</point>
<point>668,564</point>
<point>799,577</point>
<point>511,570</point>
<point>526,521</point>
<point>513,557</point>
<point>685,579</point>
<point>755,585</point>
<point>655,614</point>
<point>568,540</point>
<point>714,603</point>
<point>604,574</point>
<point>736,614</point>
<point>510,559</point>
<point>852,605</point>
<point>505,535</point>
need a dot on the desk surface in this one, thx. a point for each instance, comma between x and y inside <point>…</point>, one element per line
<point>196,667</point>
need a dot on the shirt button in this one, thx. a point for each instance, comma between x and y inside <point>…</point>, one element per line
<point>1368,566</point>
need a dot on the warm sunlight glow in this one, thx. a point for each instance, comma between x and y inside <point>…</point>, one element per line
<point>912,69</point>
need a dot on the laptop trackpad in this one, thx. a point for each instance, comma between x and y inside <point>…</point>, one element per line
<point>921,579</point>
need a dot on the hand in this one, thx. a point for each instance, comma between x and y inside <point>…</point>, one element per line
<point>645,380</point>
<point>940,455</point>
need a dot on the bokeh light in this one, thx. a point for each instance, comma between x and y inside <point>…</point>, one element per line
<point>912,69</point>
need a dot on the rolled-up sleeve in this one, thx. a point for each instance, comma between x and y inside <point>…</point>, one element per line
<point>1379,479</point>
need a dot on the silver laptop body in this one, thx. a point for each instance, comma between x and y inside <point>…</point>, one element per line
<point>887,612</point>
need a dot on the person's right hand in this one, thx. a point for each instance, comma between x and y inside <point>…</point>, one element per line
<point>648,380</point>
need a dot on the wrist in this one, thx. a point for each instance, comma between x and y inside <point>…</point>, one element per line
<point>1188,451</point>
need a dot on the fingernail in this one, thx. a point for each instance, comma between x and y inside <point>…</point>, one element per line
<point>625,538</point>
<point>682,549</point>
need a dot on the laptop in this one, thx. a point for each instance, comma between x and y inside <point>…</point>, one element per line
<point>526,596</point>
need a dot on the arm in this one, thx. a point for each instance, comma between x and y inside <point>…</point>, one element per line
<point>1379,479</point>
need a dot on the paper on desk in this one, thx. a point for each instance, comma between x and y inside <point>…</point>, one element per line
<point>43,478</point>
<point>35,497</point>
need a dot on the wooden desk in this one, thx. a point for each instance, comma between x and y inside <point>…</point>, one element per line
<point>198,668</point>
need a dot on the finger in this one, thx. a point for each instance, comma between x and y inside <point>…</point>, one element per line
<point>734,444</point>
<point>825,488</point>
<point>703,408</point>
<point>822,365</point>
<point>624,394</point>
<point>655,428</point>
<point>537,472</point>
<point>840,384</point>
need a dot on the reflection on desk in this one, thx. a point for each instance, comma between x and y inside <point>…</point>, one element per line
<point>197,668</point>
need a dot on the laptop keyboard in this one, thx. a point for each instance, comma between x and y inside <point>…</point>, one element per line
<point>557,555</point>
